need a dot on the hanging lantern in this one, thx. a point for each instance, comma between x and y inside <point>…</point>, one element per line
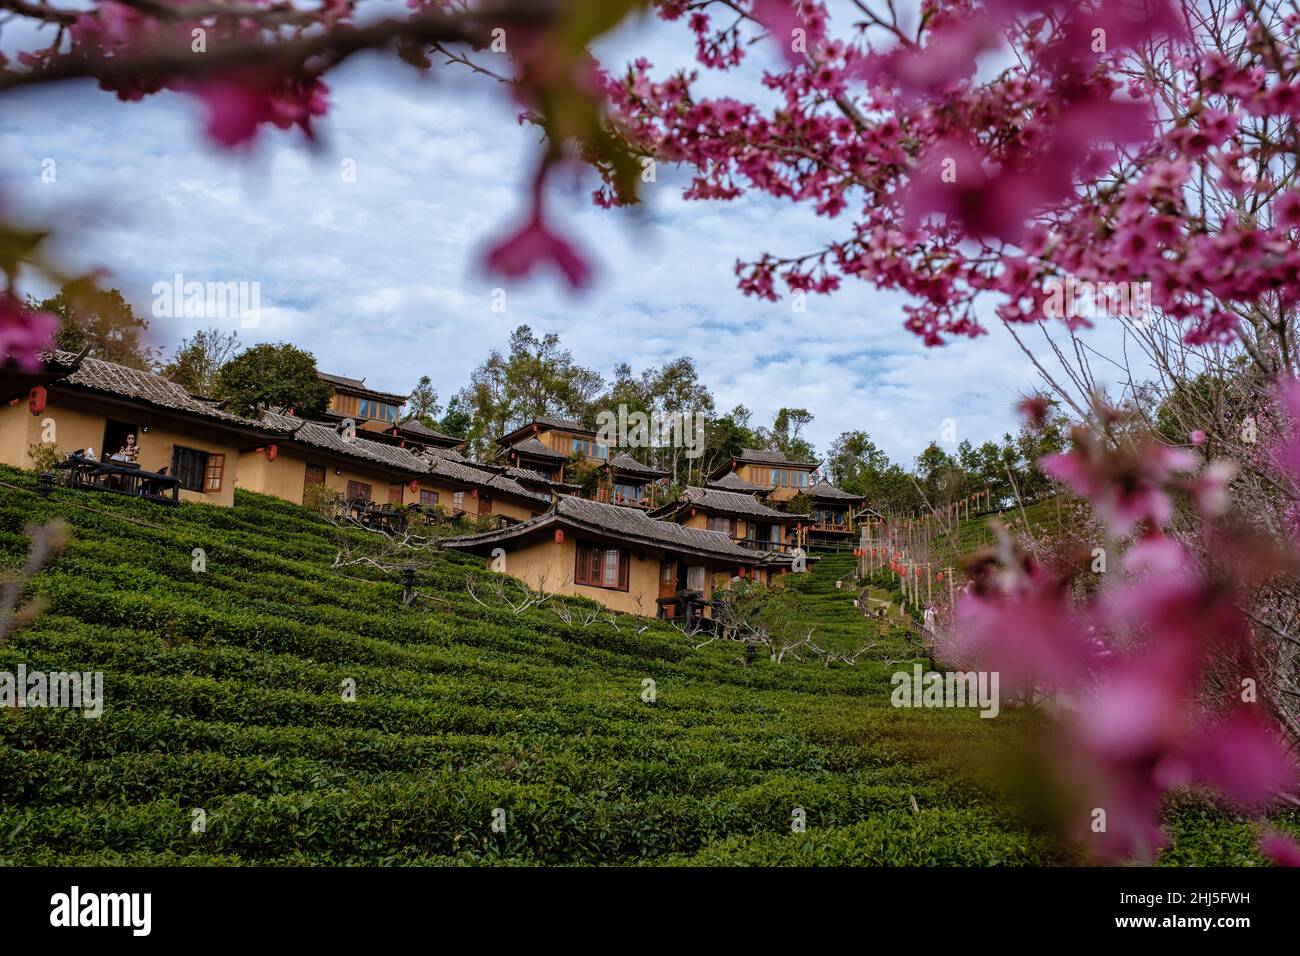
<point>415,485</point>
<point>272,452</point>
<point>473,492</point>
<point>36,399</point>
<point>939,576</point>
<point>559,536</point>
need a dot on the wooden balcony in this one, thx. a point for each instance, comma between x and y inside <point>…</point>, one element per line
<point>759,544</point>
<point>845,525</point>
<point>645,504</point>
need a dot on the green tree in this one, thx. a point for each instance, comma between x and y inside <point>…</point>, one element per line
<point>535,378</point>
<point>197,361</point>
<point>273,376</point>
<point>457,422</point>
<point>726,436</point>
<point>89,316</point>
<point>854,461</point>
<point>785,435</point>
<point>423,406</point>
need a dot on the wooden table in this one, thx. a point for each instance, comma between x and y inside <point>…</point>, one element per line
<point>121,478</point>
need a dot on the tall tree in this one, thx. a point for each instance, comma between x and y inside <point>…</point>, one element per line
<point>457,422</point>
<point>535,378</point>
<point>786,436</point>
<point>273,376</point>
<point>197,361</point>
<point>89,316</point>
<point>423,406</point>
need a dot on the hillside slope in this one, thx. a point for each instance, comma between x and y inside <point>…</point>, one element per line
<point>223,695</point>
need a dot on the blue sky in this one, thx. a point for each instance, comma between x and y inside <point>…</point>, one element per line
<point>379,278</point>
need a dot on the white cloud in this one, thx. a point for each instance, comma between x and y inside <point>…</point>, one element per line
<point>380,277</point>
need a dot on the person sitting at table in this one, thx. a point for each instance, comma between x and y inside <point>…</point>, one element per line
<point>130,452</point>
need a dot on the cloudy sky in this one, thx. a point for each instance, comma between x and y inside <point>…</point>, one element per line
<point>380,277</point>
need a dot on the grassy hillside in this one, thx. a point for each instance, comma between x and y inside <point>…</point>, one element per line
<point>223,694</point>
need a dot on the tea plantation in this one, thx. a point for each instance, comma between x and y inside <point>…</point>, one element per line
<point>224,706</point>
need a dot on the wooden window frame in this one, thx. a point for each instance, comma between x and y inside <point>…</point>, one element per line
<point>216,468</point>
<point>433,502</point>
<point>729,530</point>
<point>590,559</point>
<point>177,451</point>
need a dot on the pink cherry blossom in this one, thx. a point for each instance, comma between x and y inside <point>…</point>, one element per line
<point>533,245</point>
<point>24,333</point>
<point>1280,848</point>
<point>238,106</point>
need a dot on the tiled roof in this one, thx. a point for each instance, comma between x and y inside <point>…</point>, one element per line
<point>535,449</point>
<point>451,454</point>
<point>359,385</point>
<point>824,489</point>
<point>626,463</point>
<point>768,456</point>
<point>342,380</point>
<point>113,379</point>
<point>733,482</point>
<point>328,438</point>
<point>419,430</point>
<point>461,471</point>
<point>627,524</point>
<point>544,421</point>
<point>567,424</point>
<point>760,456</point>
<point>526,474</point>
<point>731,502</point>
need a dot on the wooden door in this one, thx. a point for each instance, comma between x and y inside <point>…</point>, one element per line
<point>668,584</point>
<point>315,475</point>
<point>484,505</point>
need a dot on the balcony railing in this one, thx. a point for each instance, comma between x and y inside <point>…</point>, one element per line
<point>758,544</point>
<point>645,504</point>
<point>844,526</point>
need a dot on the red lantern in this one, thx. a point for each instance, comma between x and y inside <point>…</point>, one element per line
<point>939,576</point>
<point>473,492</point>
<point>36,399</point>
<point>272,451</point>
<point>559,536</point>
<point>415,486</point>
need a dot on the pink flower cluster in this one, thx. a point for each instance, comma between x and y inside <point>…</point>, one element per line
<point>1125,664</point>
<point>238,103</point>
<point>24,333</point>
<point>1066,161</point>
